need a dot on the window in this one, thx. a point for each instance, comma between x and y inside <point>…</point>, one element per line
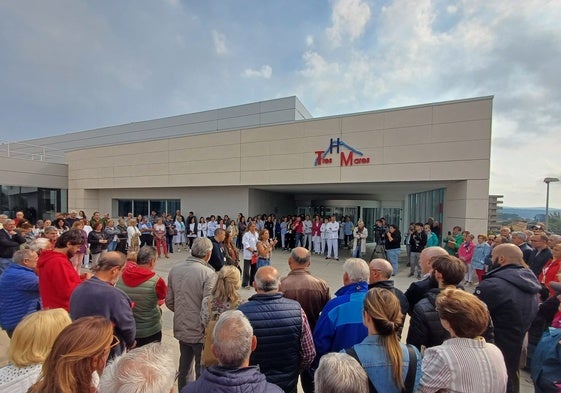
<point>145,206</point>
<point>35,203</point>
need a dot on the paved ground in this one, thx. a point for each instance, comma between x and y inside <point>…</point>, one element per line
<point>329,270</point>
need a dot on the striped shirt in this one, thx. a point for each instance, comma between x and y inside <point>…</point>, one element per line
<point>463,365</point>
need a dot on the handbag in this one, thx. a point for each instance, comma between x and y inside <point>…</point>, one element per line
<point>207,357</point>
<point>254,258</point>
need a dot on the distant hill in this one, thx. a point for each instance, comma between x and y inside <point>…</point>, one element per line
<point>524,212</point>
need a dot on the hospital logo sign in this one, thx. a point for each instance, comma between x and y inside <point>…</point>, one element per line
<point>348,155</point>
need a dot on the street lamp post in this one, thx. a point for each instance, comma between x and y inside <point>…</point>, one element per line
<point>548,180</point>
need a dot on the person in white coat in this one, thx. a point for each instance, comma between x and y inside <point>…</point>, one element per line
<point>323,235</point>
<point>332,231</point>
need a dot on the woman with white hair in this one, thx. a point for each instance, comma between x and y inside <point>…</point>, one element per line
<point>360,233</point>
<point>339,372</point>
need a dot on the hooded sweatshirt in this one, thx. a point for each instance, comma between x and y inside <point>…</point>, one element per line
<point>147,291</point>
<point>57,279</point>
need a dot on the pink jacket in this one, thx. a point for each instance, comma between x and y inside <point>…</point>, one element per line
<point>465,252</point>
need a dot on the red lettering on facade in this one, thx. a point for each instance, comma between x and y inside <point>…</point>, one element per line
<point>318,158</point>
<point>347,161</point>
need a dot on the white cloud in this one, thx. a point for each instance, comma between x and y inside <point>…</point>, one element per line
<point>219,41</point>
<point>309,40</point>
<point>349,19</point>
<point>264,72</point>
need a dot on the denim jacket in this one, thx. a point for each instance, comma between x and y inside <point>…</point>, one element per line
<point>373,358</point>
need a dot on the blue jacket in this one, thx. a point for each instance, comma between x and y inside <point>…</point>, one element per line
<point>219,379</point>
<point>277,324</point>
<point>19,295</point>
<point>480,253</point>
<point>340,323</point>
<point>373,357</point>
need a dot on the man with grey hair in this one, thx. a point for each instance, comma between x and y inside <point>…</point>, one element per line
<point>519,238</point>
<point>10,240</point>
<point>19,290</point>
<point>148,291</point>
<point>553,240</point>
<point>188,283</point>
<point>148,369</point>
<point>340,323</point>
<point>233,342</point>
<point>380,277</point>
<point>339,372</point>
<point>312,293</point>
<point>418,289</point>
<point>285,340</point>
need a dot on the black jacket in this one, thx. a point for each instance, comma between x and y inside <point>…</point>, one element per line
<point>425,327</point>
<point>538,261</point>
<point>418,289</point>
<point>9,244</point>
<point>388,284</point>
<point>418,241</point>
<point>511,295</point>
<point>526,251</point>
<point>218,256</point>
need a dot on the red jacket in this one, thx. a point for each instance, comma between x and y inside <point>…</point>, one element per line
<point>549,273</point>
<point>57,279</point>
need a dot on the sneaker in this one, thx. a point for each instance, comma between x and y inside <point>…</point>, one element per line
<point>326,257</point>
<point>336,259</point>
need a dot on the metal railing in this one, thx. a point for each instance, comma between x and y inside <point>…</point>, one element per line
<point>28,151</point>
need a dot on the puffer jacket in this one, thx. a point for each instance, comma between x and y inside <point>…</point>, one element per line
<point>19,295</point>
<point>277,324</point>
<point>219,379</point>
<point>425,327</point>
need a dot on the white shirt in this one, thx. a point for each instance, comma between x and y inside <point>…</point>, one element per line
<point>332,230</point>
<point>249,240</point>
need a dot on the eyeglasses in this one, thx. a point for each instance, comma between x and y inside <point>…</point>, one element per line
<point>115,342</point>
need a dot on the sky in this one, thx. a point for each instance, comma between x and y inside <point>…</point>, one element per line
<point>73,65</point>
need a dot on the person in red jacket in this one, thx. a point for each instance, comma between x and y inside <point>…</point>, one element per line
<point>57,276</point>
<point>550,269</point>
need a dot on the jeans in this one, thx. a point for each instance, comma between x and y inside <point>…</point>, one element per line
<point>263,262</point>
<point>357,253</point>
<point>393,257</point>
<point>299,239</point>
<point>414,261</point>
<point>112,246</point>
<point>189,353</point>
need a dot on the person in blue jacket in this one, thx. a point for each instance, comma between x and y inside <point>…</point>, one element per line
<point>340,323</point>
<point>19,290</point>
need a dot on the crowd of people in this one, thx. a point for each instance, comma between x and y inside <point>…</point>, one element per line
<point>100,330</point>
